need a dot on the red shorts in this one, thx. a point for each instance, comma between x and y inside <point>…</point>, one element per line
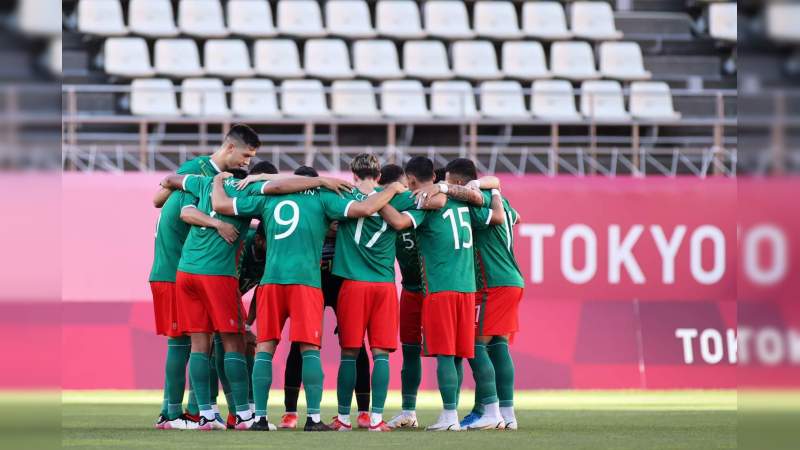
<point>411,317</point>
<point>367,307</point>
<point>448,324</point>
<point>165,307</point>
<point>209,303</point>
<point>302,304</point>
<point>496,311</point>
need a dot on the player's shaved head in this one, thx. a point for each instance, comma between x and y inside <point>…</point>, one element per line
<point>306,171</point>
<point>391,173</point>
<point>243,136</point>
<point>366,165</point>
<point>263,167</point>
<point>461,171</point>
<point>420,168</point>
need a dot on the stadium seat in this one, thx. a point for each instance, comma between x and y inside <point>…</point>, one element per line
<point>453,99</point>
<point>403,99</point>
<point>426,60</point>
<point>327,59</point>
<point>594,20</point>
<point>204,97</point>
<point>652,100</point>
<point>545,20</point>
<point>254,98</point>
<point>201,18</point>
<point>303,98</point>
<point>177,58</point>
<point>496,20</point>
<point>524,60</point>
<point>251,18</point>
<point>153,97</point>
<point>475,60</point>
<point>152,18</point>
<point>782,20</point>
<point>348,18</point>
<point>353,98</point>
<point>54,57</point>
<point>502,99</point>
<point>553,100</point>
<point>603,100</point>
<point>98,17</point>
<point>227,58</point>
<point>300,18</point>
<point>277,58</point>
<point>398,19</point>
<point>127,57</point>
<point>447,19</point>
<point>622,61</point>
<point>722,21</point>
<point>376,59</point>
<point>39,18</point>
<point>573,60</point>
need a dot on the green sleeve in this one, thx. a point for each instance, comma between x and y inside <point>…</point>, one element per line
<point>406,204</point>
<point>193,184</point>
<point>335,207</point>
<point>186,199</point>
<point>250,206</point>
<point>189,167</point>
<point>480,216</point>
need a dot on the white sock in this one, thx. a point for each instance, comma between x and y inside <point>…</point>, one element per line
<point>314,417</point>
<point>451,415</point>
<point>345,419</point>
<point>409,412</point>
<point>375,418</point>
<point>252,407</point>
<point>215,408</point>
<point>492,410</point>
<point>208,414</point>
<point>245,415</point>
<point>508,413</point>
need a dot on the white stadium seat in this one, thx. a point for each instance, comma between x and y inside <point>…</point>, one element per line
<point>403,99</point>
<point>545,20</point>
<point>453,99</point>
<point>475,60</point>
<point>303,98</point>
<point>573,60</point>
<point>426,60</point>
<point>153,97</point>
<point>40,18</point>
<point>327,59</point>
<point>201,18</point>
<point>447,19</point>
<point>251,18</point>
<point>99,17</point>
<point>227,58</point>
<point>496,20</point>
<point>348,18</point>
<point>722,21</point>
<point>254,98</point>
<point>398,19</point>
<point>594,20</point>
<point>524,60</point>
<point>177,58</point>
<point>203,97</point>
<point>553,100</point>
<point>376,59</point>
<point>782,20</point>
<point>652,100</point>
<point>622,61</point>
<point>300,18</point>
<point>277,58</point>
<point>127,57</point>
<point>54,57</point>
<point>603,100</point>
<point>502,99</point>
<point>353,98</point>
<point>152,18</point>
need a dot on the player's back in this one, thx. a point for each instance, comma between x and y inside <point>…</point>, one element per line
<point>445,243</point>
<point>496,264</point>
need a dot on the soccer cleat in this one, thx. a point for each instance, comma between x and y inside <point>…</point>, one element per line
<point>511,425</point>
<point>363,420</point>
<point>382,426</point>
<point>262,425</point>
<point>469,419</point>
<point>209,424</point>
<point>487,423</point>
<point>218,418</point>
<point>180,423</point>
<point>193,417</point>
<point>160,422</point>
<point>404,420</point>
<point>445,424</point>
<point>289,420</point>
<point>315,426</point>
<point>244,424</point>
<point>231,422</point>
<point>338,425</point>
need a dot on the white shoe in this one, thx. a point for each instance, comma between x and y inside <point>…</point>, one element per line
<point>511,425</point>
<point>487,423</point>
<point>404,420</point>
<point>445,424</point>
<point>210,425</point>
<point>272,427</point>
<point>180,423</point>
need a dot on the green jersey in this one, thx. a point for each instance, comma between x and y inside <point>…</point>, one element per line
<point>495,264</point>
<point>251,264</point>
<point>365,247</point>
<point>205,252</point>
<point>296,228</point>
<point>171,231</point>
<point>408,260</point>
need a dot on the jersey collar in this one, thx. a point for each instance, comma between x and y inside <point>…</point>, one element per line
<point>214,165</point>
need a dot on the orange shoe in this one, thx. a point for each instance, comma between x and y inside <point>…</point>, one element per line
<point>191,417</point>
<point>289,420</point>
<point>382,426</point>
<point>338,425</point>
<point>363,420</point>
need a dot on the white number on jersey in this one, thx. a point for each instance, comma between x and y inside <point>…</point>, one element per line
<point>291,222</point>
<point>375,237</point>
<point>457,244</point>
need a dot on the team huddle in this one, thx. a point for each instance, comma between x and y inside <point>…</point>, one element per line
<point>317,242</point>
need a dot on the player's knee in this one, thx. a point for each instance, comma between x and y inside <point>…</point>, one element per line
<point>351,352</point>
<point>201,343</point>
<point>306,347</point>
<point>268,346</point>
<point>379,351</point>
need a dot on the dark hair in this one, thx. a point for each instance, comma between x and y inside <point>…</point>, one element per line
<point>462,168</point>
<point>366,165</point>
<point>390,173</point>
<point>238,173</point>
<point>438,174</point>
<point>263,167</point>
<point>420,167</point>
<point>306,171</point>
<point>242,135</point>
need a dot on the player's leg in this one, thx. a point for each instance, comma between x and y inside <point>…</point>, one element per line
<point>439,322</point>
<point>271,314</point>
<point>345,384</point>
<point>218,377</point>
<point>291,385</point>
<point>362,388</point>
<point>502,320</point>
<point>199,366</point>
<point>351,325</point>
<point>262,381</point>
<point>485,388</point>
<point>411,372</point>
<point>504,374</point>
<point>178,347</point>
<point>382,327</point>
<point>477,406</point>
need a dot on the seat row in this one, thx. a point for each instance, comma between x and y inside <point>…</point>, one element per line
<point>399,19</point>
<point>374,59</point>
<point>258,98</point>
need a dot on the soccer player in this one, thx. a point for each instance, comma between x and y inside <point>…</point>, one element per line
<point>296,228</point>
<point>174,221</point>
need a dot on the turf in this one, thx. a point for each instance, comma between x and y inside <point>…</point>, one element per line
<point>548,420</point>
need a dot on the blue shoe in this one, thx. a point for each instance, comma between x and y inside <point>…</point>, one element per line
<point>218,418</point>
<point>469,419</point>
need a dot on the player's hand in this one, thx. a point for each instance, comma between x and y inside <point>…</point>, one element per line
<point>423,194</point>
<point>335,184</point>
<point>243,183</point>
<point>474,184</point>
<point>227,232</point>
<point>222,176</point>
